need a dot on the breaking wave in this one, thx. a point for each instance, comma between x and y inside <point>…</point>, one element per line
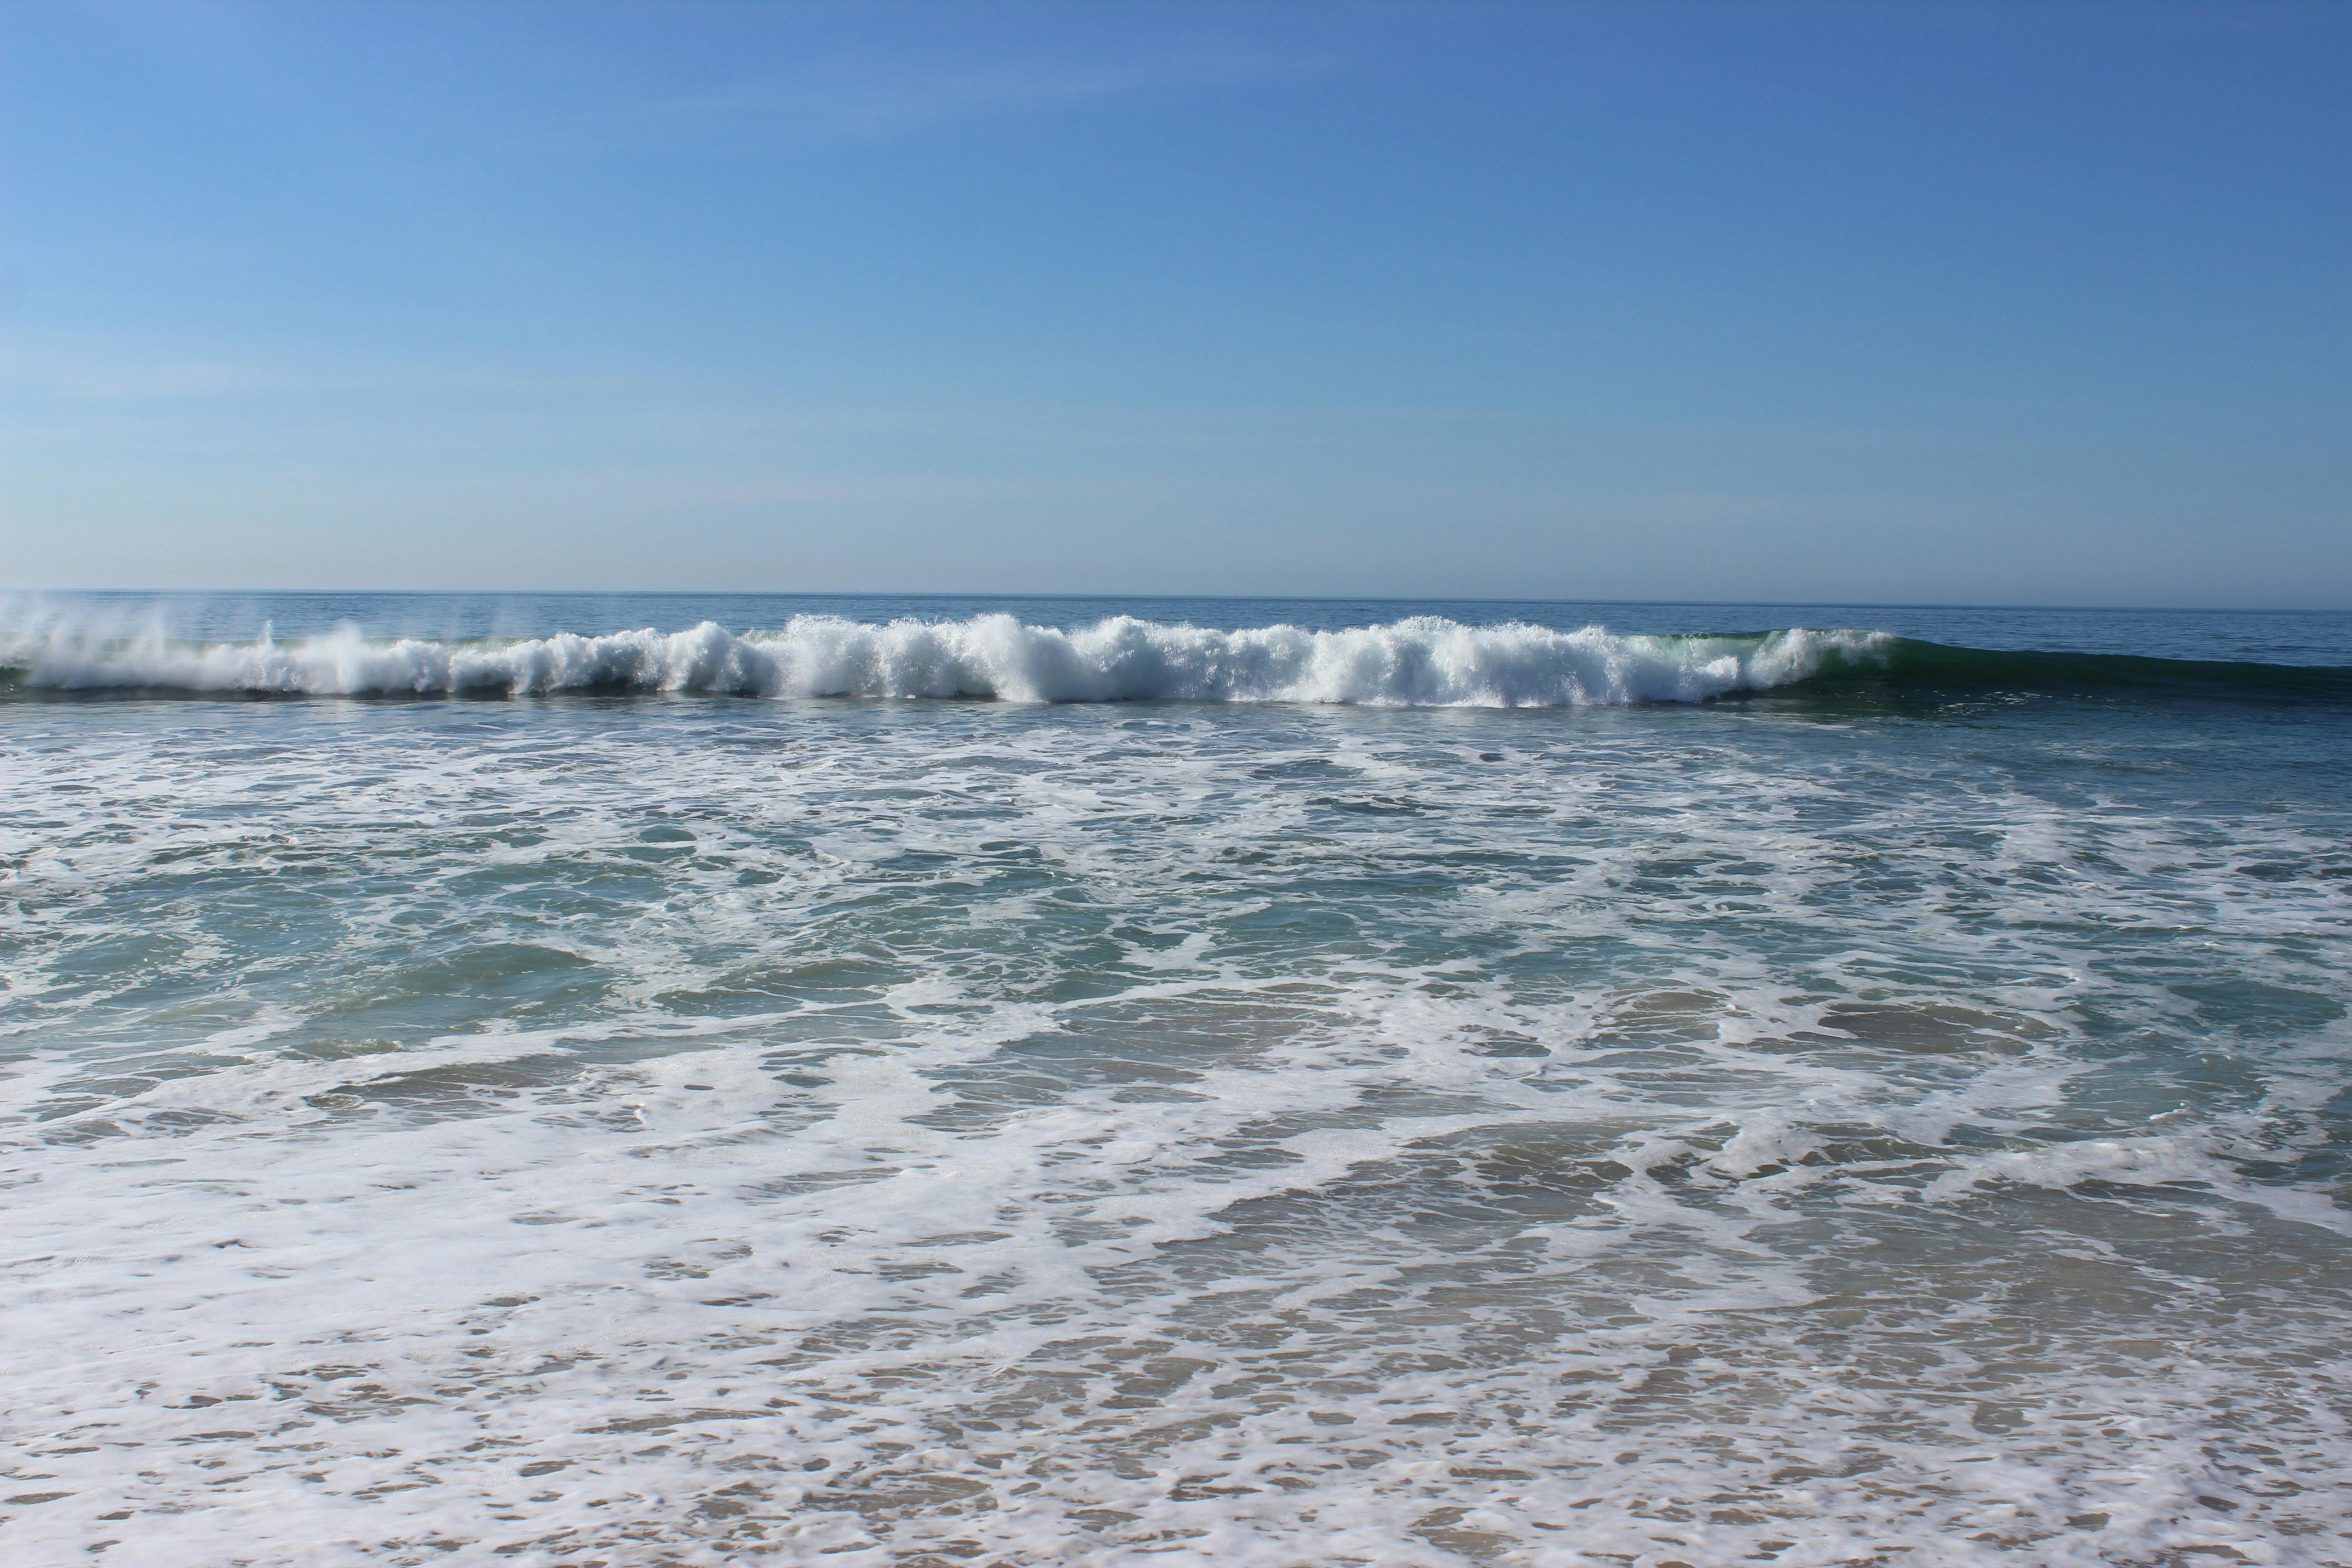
<point>1421,661</point>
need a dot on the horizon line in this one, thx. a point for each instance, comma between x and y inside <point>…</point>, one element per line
<point>1222,598</point>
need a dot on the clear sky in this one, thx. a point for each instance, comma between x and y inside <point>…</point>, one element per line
<point>1837,302</point>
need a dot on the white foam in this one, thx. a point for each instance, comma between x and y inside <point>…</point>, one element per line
<point>1421,661</point>
<point>1154,1135</point>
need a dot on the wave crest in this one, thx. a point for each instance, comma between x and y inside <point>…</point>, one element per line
<point>1421,661</point>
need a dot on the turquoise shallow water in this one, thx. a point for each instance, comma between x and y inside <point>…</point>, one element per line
<point>1787,1110</point>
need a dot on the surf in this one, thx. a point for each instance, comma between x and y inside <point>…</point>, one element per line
<point>1421,661</point>
<point>1415,661</point>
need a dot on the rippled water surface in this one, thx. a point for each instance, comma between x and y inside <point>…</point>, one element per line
<point>1802,1127</point>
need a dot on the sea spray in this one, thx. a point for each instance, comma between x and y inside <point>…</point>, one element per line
<point>1421,661</point>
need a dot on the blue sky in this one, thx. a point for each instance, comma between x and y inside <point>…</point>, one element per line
<point>1921,303</point>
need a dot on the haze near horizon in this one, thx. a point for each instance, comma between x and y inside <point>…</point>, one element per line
<point>1811,303</point>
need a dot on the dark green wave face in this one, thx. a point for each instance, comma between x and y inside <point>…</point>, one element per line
<point>1909,668</point>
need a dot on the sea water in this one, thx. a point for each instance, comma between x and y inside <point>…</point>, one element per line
<point>645,1080</point>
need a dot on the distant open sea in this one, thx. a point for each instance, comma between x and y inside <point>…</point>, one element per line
<point>707,1080</point>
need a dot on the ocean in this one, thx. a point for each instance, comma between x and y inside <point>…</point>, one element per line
<point>662,1079</point>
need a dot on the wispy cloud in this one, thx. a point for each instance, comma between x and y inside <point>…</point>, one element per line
<point>159,379</point>
<point>861,94</point>
<point>58,368</point>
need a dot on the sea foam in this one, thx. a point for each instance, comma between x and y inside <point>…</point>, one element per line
<point>796,1132</point>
